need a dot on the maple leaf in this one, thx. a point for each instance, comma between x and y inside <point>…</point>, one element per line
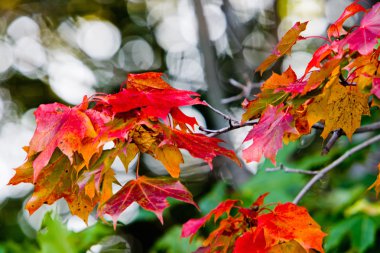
<point>336,29</point>
<point>320,54</point>
<point>171,158</point>
<point>127,154</point>
<point>286,82</point>
<point>376,87</point>
<point>365,37</point>
<point>56,181</point>
<point>151,102</point>
<point>146,81</point>
<point>340,107</point>
<point>291,222</point>
<point>149,193</point>
<point>251,242</point>
<point>267,97</point>
<point>376,184</point>
<point>180,119</point>
<point>288,228</point>
<point>284,45</point>
<point>198,145</point>
<point>62,127</point>
<point>318,77</point>
<point>192,226</point>
<point>267,135</point>
<point>24,173</point>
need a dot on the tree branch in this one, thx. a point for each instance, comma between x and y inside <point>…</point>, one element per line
<point>332,165</point>
<point>334,137</point>
<point>289,170</point>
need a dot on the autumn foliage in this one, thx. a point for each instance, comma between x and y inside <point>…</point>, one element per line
<point>66,156</point>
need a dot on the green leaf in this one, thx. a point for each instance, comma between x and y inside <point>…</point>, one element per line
<point>360,228</point>
<point>172,242</point>
<point>55,237</point>
<point>17,247</point>
<point>337,233</point>
<point>363,233</point>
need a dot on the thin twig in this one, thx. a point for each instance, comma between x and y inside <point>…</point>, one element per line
<point>368,128</point>
<point>225,116</point>
<point>246,90</point>
<point>289,170</point>
<point>232,126</point>
<point>338,133</point>
<point>334,137</point>
<point>332,165</point>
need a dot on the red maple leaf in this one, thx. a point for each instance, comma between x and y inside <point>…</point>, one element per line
<point>365,37</point>
<point>149,193</point>
<point>336,29</point>
<point>267,135</point>
<point>285,223</point>
<point>68,129</point>
<point>258,229</point>
<point>192,226</point>
<point>199,145</point>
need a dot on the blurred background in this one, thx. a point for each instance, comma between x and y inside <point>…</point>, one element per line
<point>59,51</point>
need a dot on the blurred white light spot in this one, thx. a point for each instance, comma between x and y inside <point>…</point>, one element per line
<point>257,47</point>
<point>23,27</point>
<point>98,39</point>
<point>6,56</point>
<point>246,9</point>
<point>216,21</point>
<point>136,55</point>
<point>334,9</point>
<point>309,9</point>
<point>158,10</point>
<point>29,55</point>
<point>76,224</point>
<point>67,31</point>
<point>169,35</point>
<point>298,61</point>
<point>16,136</point>
<point>187,70</point>
<point>69,78</point>
<point>188,21</point>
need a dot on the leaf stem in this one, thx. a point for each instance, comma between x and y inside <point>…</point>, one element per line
<point>138,165</point>
<point>332,165</point>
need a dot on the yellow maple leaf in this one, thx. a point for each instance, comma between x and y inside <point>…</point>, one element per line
<point>171,158</point>
<point>341,107</point>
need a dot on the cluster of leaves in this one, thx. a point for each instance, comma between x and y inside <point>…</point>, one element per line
<point>66,157</point>
<point>288,228</point>
<point>339,85</point>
